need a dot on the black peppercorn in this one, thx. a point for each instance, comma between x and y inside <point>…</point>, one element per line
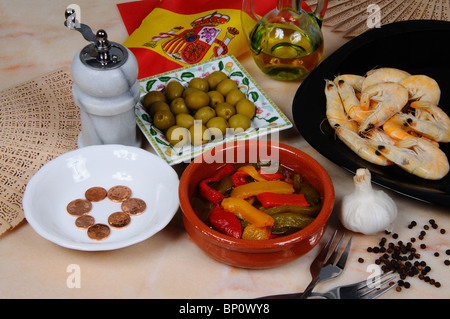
<point>398,257</point>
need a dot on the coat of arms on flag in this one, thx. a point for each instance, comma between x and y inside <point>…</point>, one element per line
<point>179,33</point>
<point>190,46</point>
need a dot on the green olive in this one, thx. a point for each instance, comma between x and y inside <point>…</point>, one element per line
<point>199,134</point>
<point>225,110</point>
<point>188,91</point>
<point>178,106</point>
<point>215,78</point>
<point>215,98</point>
<point>204,114</point>
<point>200,84</point>
<point>158,106</point>
<point>246,107</point>
<point>234,96</point>
<point>196,100</point>
<point>226,86</point>
<point>163,120</point>
<point>177,135</point>
<point>152,97</point>
<point>184,120</point>
<point>239,122</point>
<point>174,90</point>
<point>217,123</point>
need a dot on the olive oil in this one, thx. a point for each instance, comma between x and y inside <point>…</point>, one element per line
<point>284,52</point>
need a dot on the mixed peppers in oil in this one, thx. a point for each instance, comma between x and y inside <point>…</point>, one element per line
<point>242,201</point>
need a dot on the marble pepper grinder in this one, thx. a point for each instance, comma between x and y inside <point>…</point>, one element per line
<point>105,89</point>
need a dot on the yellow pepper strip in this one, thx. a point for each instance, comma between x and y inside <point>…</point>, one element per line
<point>244,210</point>
<point>252,232</point>
<point>251,170</point>
<point>255,188</point>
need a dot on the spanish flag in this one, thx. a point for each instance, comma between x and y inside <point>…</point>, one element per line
<point>178,33</point>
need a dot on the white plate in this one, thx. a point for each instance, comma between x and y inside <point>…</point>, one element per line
<point>268,119</point>
<point>68,176</point>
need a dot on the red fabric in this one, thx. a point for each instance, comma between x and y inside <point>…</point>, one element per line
<point>151,60</point>
<point>133,13</point>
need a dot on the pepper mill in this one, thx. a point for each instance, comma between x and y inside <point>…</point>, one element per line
<point>105,88</point>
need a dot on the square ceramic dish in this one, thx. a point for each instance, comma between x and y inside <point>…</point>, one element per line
<point>268,118</point>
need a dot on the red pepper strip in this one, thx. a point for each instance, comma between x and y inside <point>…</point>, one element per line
<point>225,222</point>
<point>272,199</point>
<point>211,194</point>
<point>271,177</point>
<point>238,178</point>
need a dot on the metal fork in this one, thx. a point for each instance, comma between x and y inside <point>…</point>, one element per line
<point>321,271</point>
<point>330,269</point>
<point>365,289</point>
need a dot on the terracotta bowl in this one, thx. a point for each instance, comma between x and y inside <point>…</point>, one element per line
<point>254,254</point>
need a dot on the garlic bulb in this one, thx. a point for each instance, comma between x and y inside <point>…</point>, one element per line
<point>365,210</point>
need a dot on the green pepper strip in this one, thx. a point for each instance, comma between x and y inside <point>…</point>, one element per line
<point>283,220</point>
<point>304,210</point>
<point>225,185</point>
<point>208,192</point>
<point>303,187</point>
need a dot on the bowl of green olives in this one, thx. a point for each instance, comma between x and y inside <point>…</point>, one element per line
<point>190,110</point>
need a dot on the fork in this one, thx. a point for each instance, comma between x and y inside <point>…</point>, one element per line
<point>321,271</point>
<point>360,290</point>
<point>329,269</point>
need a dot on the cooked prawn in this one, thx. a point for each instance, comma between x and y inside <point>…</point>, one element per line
<point>398,129</point>
<point>432,122</point>
<point>363,147</point>
<point>378,135</point>
<point>395,128</point>
<point>354,80</point>
<point>349,100</point>
<point>335,110</point>
<point>392,97</point>
<point>382,75</point>
<point>417,156</point>
<point>423,88</point>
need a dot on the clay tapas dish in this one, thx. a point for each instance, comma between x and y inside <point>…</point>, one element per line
<point>250,253</point>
